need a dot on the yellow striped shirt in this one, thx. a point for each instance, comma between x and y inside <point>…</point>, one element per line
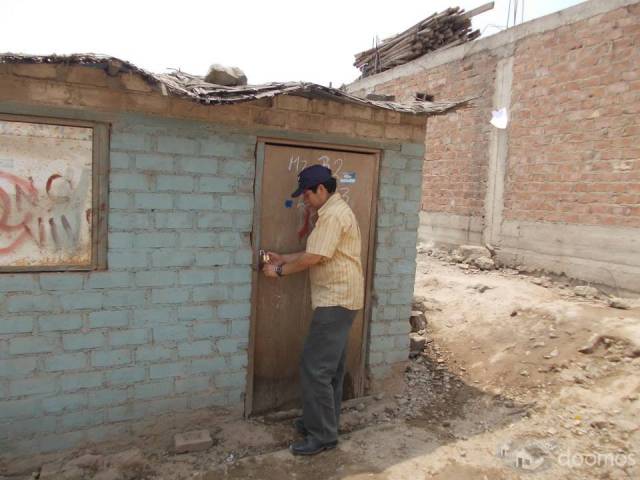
<point>337,281</point>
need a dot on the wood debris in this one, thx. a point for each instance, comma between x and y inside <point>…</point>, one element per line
<point>440,30</point>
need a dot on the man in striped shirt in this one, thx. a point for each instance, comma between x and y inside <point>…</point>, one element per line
<point>332,256</point>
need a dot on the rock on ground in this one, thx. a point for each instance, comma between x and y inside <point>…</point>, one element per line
<point>110,474</point>
<point>620,303</point>
<point>88,461</point>
<point>418,303</point>
<point>417,342</point>
<point>193,441</point>
<point>418,321</point>
<point>484,263</point>
<point>472,252</point>
<point>585,291</point>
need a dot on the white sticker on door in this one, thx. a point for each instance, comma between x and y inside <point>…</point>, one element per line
<point>348,177</point>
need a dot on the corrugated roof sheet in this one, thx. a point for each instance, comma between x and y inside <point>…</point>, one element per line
<point>193,87</point>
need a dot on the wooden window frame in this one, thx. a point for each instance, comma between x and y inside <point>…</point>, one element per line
<point>99,193</point>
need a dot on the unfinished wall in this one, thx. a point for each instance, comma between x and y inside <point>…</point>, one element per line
<point>560,188</point>
<point>455,166</point>
<point>89,356</point>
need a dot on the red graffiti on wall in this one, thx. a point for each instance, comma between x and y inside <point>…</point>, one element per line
<point>24,190</point>
<point>49,218</point>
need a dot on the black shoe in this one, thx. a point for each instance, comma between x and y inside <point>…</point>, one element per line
<point>311,446</point>
<point>298,424</point>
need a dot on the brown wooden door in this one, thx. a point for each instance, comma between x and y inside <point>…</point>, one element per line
<point>282,310</point>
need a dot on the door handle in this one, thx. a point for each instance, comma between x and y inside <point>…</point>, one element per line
<point>263,258</point>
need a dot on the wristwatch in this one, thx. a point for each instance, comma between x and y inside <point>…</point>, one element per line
<point>279,270</point>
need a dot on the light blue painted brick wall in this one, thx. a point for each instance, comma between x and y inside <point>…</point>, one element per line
<point>18,367</point>
<point>17,324</point>
<point>166,327</point>
<point>65,361</point>
<point>210,329</point>
<point>154,353</point>
<point>18,283</point>
<point>110,358</point>
<point>204,164</point>
<point>193,384</point>
<point>200,312</point>
<point>68,321</point>
<point>200,348</point>
<point>394,273</point>
<point>107,318</point>
<point>79,381</point>
<point>155,278</point>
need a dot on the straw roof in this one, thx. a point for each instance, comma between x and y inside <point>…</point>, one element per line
<point>193,87</point>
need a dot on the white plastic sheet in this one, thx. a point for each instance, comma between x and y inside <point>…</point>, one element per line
<point>500,118</point>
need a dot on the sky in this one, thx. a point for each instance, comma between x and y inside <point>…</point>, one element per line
<point>269,40</point>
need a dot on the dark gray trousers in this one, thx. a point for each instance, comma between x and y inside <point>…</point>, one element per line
<point>322,371</point>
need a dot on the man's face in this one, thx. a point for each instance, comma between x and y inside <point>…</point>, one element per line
<point>314,200</point>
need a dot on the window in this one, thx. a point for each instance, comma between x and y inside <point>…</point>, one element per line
<point>53,194</point>
<point>423,97</point>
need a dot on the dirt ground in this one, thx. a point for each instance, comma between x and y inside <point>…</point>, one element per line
<point>501,391</point>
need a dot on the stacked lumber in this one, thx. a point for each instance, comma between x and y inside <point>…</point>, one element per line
<point>445,29</point>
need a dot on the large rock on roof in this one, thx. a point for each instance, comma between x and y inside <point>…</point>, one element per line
<point>227,76</point>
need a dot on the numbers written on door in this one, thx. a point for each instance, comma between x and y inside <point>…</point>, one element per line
<point>296,165</point>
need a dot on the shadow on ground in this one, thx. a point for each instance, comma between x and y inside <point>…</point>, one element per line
<point>437,410</point>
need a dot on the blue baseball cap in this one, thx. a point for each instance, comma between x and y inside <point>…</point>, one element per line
<point>310,177</point>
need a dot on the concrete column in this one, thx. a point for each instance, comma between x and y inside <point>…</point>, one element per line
<point>498,154</point>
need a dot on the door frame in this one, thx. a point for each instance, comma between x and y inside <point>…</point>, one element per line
<point>255,242</point>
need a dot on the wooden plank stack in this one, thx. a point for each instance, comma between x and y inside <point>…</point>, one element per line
<point>445,29</point>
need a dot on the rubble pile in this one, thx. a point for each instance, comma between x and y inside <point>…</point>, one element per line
<point>474,259</point>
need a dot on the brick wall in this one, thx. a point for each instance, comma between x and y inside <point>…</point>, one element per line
<point>88,356</point>
<point>574,133</point>
<point>548,190</point>
<point>455,168</point>
<point>574,144</point>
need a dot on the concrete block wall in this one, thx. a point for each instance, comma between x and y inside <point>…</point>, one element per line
<point>86,356</point>
<point>165,329</point>
<point>558,189</point>
<point>90,356</point>
<point>395,258</point>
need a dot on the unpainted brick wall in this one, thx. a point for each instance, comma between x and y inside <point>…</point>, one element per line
<point>574,143</point>
<point>574,134</point>
<point>456,160</point>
